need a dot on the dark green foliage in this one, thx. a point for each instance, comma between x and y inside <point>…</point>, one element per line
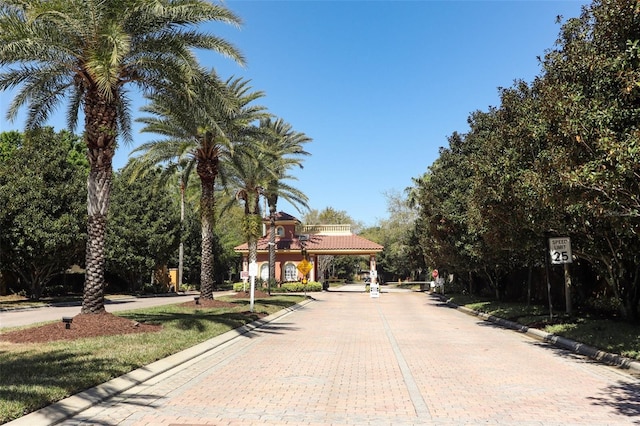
<point>290,287</point>
<point>114,47</point>
<point>43,196</point>
<point>9,142</point>
<point>557,157</point>
<point>144,229</point>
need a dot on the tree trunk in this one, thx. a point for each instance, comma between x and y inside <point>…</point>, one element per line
<point>100,135</point>
<point>207,169</point>
<point>207,257</point>
<point>181,248</point>
<point>625,281</point>
<point>99,183</point>
<point>272,245</point>
<point>529,281</point>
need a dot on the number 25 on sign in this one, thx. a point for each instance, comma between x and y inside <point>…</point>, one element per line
<point>560,250</point>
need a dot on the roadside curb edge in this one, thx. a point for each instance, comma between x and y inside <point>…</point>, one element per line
<point>75,404</point>
<point>596,354</point>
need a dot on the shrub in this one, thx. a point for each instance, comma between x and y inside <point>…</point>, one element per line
<point>297,286</point>
<point>290,287</point>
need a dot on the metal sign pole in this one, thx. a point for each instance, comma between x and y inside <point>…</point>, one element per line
<point>560,253</point>
<point>253,271</point>
<point>546,267</point>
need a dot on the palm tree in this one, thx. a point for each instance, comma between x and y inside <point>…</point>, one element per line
<point>171,173</point>
<point>246,175</point>
<point>90,51</point>
<point>259,169</point>
<point>286,147</point>
<point>205,127</point>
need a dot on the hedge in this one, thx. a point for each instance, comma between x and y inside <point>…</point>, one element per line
<point>288,287</point>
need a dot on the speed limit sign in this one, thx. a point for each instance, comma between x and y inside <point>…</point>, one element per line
<point>560,250</point>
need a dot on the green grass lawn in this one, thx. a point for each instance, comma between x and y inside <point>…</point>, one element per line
<point>33,376</point>
<point>607,334</point>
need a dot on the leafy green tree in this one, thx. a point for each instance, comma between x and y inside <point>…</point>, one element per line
<point>90,51</point>
<point>591,98</point>
<point>9,143</point>
<point>329,215</point>
<point>558,156</point>
<point>203,128</point>
<point>343,267</point>
<point>144,230</point>
<point>42,194</point>
<point>229,234</point>
<point>173,174</point>
<point>447,243</point>
<point>393,233</point>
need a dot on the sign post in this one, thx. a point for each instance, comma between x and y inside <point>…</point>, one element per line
<point>253,272</point>
<point>244,275</point>
<point>374,286</point>
<point>560,252</point>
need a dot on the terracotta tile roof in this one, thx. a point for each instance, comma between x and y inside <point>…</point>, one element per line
<point>316,243</point>
<point>320,244</point>
<point>285,216</point>
<point>341,242</point>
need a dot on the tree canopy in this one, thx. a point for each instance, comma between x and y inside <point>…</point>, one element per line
<point>558,157</point>
<point>90,53</point>
<point>42,194</point>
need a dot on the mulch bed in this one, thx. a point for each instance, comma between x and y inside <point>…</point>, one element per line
<point>83,325</point>
<point>107,324</point>
<point>246,295</point>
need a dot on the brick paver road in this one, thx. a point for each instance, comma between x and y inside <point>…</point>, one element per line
<point>401,359</point>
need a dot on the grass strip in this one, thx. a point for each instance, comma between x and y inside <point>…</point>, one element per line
<point>33,376</point>
<point>607,334</point>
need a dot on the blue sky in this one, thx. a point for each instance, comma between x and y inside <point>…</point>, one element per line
<point>377,85</point>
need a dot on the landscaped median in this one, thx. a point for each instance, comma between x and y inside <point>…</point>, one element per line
<point>35,375</point>
<point>611,342</point>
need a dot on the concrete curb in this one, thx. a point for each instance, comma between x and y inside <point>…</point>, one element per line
<point>108,300</point>
<point>559,341</point>
<point>73,405</point>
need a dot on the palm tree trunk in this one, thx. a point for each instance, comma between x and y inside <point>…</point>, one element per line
<point>272,246</point>
<point>256,227</point>
<point>207,258</point>
<point>181,249</point>
<point>100,134</point>
<point>93,296</point>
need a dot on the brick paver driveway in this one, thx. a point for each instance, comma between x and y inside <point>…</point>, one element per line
<point>401,359</point>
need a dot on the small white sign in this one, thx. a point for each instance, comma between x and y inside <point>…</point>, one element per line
<point>373,273</point>
<point>560,250</point>
<point>374,290</point>
<point>253,269</point>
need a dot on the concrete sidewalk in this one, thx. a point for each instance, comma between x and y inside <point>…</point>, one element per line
<point>405,358</point>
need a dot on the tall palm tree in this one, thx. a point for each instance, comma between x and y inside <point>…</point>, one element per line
<point>286,147</point>
<point>246,175</point>
<point>90,51</point>
<point>172,173</point>
<point>205,127</point>
<point>259,169</point>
